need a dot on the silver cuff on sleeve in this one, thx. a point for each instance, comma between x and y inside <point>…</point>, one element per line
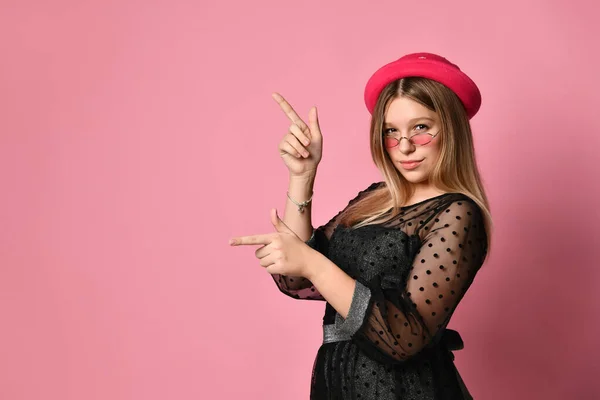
<point>356,314</point>
<point>332,334</point>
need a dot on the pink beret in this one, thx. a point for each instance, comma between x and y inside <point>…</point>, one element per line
<point>425,65</point>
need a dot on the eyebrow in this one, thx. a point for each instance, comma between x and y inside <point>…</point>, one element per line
<point>411,120</point>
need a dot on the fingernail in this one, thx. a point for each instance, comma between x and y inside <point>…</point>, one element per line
<point>231,241</point>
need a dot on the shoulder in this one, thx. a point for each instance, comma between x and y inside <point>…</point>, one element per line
<point>465,218</point>
<point>375,185</point>
<point>372,187</point>
<point>457,206</point>
<point>456,200</point>
<point>363,193</point>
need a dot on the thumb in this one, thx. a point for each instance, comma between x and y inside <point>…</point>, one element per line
<point>313,121</point>
<point>279,225</point>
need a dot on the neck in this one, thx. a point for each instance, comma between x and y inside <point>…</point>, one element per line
<point>423,191</point>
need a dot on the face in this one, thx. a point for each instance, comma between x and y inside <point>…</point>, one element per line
<point>404,119</point>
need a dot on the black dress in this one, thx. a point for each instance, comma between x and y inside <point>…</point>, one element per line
<point>411,273</point>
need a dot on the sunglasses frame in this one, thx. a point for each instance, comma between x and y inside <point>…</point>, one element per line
<point>409,139</point>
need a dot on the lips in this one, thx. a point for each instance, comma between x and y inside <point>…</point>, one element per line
<point>410,164</point>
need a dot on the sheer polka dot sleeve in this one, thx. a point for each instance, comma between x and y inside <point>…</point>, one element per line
<point>401,321</point>
<point>299,287</point>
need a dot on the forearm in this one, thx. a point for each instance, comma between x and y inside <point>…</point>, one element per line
<point>334,285</point>
<point>300,189</point>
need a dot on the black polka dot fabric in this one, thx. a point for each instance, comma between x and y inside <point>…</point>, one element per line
<point>414,270</point>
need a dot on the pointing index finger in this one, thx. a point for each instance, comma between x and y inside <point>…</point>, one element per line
<point>252,239</point>
<point>289,111</point>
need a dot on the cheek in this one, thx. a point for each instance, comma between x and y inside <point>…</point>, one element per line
<point>433,153</point>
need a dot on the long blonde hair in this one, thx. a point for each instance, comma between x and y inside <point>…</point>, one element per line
<point>455,171</point>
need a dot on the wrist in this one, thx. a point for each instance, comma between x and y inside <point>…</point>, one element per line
<point>304,179</point>
<point>315,265</point>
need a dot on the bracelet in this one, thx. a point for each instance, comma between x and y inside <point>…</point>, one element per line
<point>300,205</point>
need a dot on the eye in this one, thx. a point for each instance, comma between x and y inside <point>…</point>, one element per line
<point>424,127</point>
<point>388,131</point>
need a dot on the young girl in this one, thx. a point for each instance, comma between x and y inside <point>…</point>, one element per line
<point>394,264</point>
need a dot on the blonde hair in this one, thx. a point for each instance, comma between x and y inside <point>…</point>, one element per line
<point>455,171</point>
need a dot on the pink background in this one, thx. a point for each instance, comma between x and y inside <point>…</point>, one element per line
<point>137,137</point>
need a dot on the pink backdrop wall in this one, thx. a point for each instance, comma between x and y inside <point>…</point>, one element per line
<point>137,137</point>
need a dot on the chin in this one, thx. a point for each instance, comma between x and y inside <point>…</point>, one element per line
<point>414,178</point>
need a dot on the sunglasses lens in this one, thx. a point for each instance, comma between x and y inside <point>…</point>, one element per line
<point>421,139</point>
<point>390,142</point>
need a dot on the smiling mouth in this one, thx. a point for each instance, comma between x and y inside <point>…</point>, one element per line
<point>410,164</point>
<point>411,161</point>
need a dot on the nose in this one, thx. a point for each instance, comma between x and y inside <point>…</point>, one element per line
<point>405,146</point>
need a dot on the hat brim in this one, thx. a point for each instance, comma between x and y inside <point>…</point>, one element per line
<point>453,78</point>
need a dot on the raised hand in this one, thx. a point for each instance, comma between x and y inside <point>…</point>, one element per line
<point>302,146</point>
